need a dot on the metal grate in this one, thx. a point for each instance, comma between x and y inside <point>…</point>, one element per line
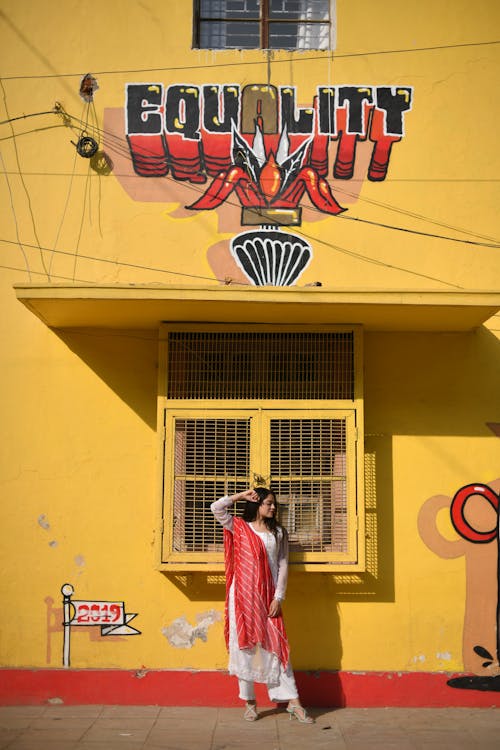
<point>308,470</point>
<point>212,459</point>
<point>251,365</point>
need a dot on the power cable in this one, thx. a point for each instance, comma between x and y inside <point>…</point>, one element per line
<point>415,231</point>
<point>130,265</point>
<point>42,273</point>
<point>331,55</point>
<point>15,219</point>
<point>121,147</point>
<point>121,144</point>
<point>21,177</point>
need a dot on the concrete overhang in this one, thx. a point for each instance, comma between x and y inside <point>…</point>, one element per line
<point>129,306</point>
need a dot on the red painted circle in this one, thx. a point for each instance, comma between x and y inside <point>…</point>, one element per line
<point>458,519</point>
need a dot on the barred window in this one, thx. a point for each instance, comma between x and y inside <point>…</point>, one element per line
<point>263,24</point>
<point>248,408</point>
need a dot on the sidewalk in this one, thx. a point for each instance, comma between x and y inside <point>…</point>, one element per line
<point>157,728</point>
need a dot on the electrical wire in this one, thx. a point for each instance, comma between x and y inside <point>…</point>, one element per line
<point>300,58</point>
<point>28,270</point>
<point>68,194</point>
<point>129,265</point>
<point>122,148</point>
<point>25,117</point>
<point>42,273</point>
<point>415,231</point>
<point>120,143</point>
<point>75,253</point>
<point>21,177</point>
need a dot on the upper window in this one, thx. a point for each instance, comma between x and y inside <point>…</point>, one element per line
<point>263,24</point>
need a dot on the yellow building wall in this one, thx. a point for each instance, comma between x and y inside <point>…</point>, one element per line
<point>79,442</point>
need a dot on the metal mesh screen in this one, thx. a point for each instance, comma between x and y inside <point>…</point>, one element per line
<point>308,470</point>
<point>251,365</point>
<point>212,459</point>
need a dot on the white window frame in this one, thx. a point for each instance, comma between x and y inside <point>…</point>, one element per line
<point>264,22</point>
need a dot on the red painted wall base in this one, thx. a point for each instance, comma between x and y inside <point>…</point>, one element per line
<point>186,688</point>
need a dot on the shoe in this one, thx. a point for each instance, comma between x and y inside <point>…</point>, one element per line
<point>250,712</point>
<point>300,713</point>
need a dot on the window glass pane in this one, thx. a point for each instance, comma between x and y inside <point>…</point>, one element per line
<point>221,35</point>
<point>313,10</point>
<point>299,35</point>
<point>229,8</point>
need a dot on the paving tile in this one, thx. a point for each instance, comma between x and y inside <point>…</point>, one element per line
<point>15,722</point>
<point>144,712</point>
<point>188,713</point>
<point>74,725</point>
<point>164,722</point>
<point>364,745</point>
<point>64,733</point>
<point>246,744</point>
<point>22,710</point>
<point>119,735</point>
<point>35,743</point>
<point>124,723</point>
<point>195,734</point>
<point>73,712</point>
<point>7,736</point>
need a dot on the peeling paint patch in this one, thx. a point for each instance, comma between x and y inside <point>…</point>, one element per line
<point>418,657</point>
<point>180,634</point>
<point>445,656</point>
<point>80,560</point>
<point>43,522</point>
<point>55,701</point>
<point>53,543</point>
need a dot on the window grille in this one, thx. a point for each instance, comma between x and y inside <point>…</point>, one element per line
<point>306,460</point>
<point>253,365</point>
<point>308,471</point>
<point>265,24</point>
<point>212,459</point>
<point>261,407</point>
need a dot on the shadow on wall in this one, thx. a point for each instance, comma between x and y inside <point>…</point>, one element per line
<point>314,630</point>
<point>127,361</point>
<point>415,384</point>
<point>431,384</point>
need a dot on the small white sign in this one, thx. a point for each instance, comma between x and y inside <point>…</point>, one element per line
<point>88,612</point>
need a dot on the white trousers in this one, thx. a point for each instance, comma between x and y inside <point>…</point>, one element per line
<point>284,690</point>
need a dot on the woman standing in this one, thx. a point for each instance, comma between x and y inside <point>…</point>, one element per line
<point>256,557</point>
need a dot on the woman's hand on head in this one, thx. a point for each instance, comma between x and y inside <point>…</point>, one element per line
<point>249,495</point>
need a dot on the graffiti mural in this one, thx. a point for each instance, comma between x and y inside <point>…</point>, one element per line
<point>109,616</point>
<point>474,513</point>
<point>256,148</point>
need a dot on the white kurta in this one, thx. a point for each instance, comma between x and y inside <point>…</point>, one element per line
<point>258,664</point>
<point>255,664</point>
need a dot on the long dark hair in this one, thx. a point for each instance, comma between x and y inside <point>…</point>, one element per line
<point>251,508</point>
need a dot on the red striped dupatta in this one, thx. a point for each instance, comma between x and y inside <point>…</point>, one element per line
<point>246,562</point>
